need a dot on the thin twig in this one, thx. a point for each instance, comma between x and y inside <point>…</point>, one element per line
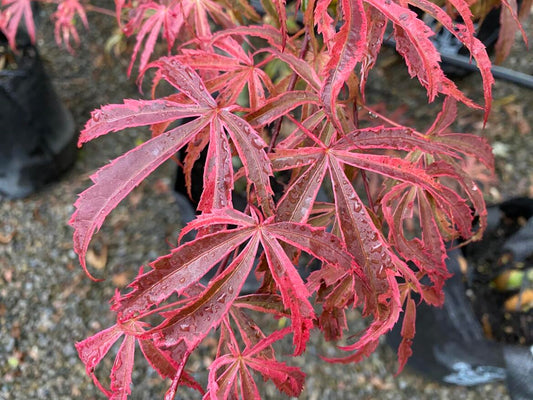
<point>100,10</point>
<point>292,84</point>
<point>380,116</point>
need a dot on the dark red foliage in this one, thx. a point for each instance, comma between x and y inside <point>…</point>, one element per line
<point>236,79</point>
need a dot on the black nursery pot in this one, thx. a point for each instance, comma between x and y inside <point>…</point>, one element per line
<point>450,343</point>
<point>37,137</point>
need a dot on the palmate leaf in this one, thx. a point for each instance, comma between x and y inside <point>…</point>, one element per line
<point>461,143</point>
<point>94,349</point>
<point>64,21</point>
<point>236,68</point>
<point>424,178</point>
<point>113,182</point>
<point>236,367</point>
<point>189,262</point>
<point>249,145</point>
<point>158,16</point>
<point>183,328</point>
<point>147,19</point>
<point>443,216</point>
<point>376,258</point>
<point>371,250</point>
<point>359,242</point>
<point>14,12</point>
<point>428,252</point>
<point>347,151</point>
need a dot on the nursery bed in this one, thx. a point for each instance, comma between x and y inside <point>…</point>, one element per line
<point>47,303</point>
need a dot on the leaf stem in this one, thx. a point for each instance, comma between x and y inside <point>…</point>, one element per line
<point>382,117</point>
<point>100,10</point>
<point>290,87</point>
<point>306,131</point>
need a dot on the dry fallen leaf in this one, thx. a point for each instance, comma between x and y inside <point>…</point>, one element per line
<point>380,384</point>
<point>463,264</point>
<point>97,259</point>
<point>121,279</point>
<point>7,238</point>
<point>8,275</point>
<point>520,302</point>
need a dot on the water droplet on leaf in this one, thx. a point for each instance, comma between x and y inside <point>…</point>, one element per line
<point>376,247</point>
<point>257,143</point>
<point>97,115</point>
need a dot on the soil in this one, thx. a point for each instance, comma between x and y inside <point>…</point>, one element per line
<point>47,303</point>
<point>488,263</point>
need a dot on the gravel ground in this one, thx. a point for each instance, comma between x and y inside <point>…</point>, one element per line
<point>47,303</point>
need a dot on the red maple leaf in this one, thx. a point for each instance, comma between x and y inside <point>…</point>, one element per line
<point>12,14</point>
<point>230,373</point>
<point>358,239</point>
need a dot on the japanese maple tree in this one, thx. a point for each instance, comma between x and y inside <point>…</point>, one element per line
<point>276,93</point>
